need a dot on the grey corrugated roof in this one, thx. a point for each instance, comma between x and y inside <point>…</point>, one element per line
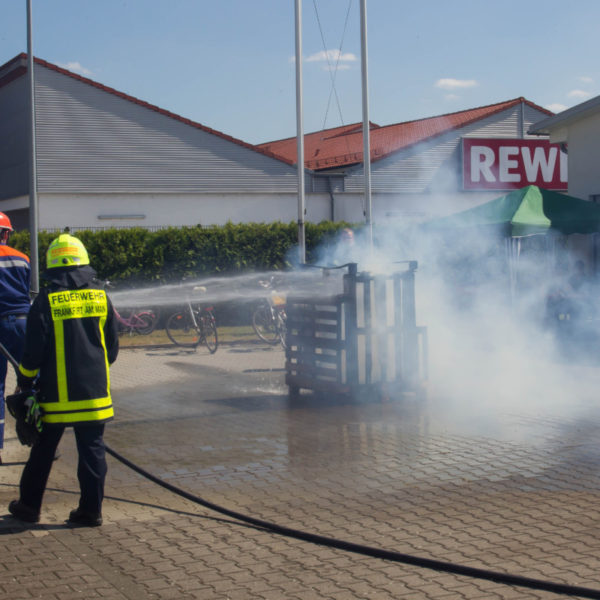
<point>566,116</point>
<point>17,67</point>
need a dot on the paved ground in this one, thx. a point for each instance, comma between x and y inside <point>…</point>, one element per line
<point>512,490</point>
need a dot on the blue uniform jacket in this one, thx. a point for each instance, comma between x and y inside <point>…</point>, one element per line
<point>15,276</point>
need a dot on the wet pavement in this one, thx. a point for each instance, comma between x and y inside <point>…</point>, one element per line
<point>514,490</point>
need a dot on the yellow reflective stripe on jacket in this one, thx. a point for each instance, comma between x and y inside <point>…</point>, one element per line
<point>70,417</point>
<point>61,367</point>
<point>103,342</point>
<point>79,405</point>
<point>27,372</point>
<point>84,417</point>
<point>75,417</point>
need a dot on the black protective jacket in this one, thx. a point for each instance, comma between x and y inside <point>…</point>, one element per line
<point>71,340</point>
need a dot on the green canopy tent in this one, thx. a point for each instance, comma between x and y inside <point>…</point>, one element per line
<point>524,212</point>
<point>527,211</point>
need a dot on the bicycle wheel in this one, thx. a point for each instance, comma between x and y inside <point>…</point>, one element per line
<point>264,325</point>
<point>145,322</point>
<point>209,332</point>
<point>181,330</point>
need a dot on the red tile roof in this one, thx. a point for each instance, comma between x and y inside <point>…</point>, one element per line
<point>20,68</point>
<point>343,146</point>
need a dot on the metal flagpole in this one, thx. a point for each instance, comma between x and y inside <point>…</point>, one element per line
<point>300,135</point>
<point>365,127</point>
<point>33,204</point>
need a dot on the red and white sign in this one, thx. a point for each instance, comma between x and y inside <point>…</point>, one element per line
<point>503,164</point>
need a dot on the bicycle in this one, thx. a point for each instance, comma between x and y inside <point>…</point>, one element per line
<point>143,322</point>
<point>193,325</point>
<point>269,318</point>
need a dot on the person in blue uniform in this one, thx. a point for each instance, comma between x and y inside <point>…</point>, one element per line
<point>15,277</point>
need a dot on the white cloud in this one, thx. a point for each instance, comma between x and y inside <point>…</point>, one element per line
<point>578,94</point>
<point>455,84</point>
<point>451,97</point>
<point>76,67</point>
<point>556,107</point>
<point>586,79</point>
<point>333,56</point>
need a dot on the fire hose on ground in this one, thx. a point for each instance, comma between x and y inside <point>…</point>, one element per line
<point>399,557</point>
<point>408,559</point>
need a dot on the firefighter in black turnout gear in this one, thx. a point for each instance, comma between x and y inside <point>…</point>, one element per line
<point>71,338</point>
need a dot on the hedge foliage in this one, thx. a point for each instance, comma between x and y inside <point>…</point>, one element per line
<point>138,256</point>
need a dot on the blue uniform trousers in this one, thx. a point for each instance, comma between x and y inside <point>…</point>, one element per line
<point>12,337</point>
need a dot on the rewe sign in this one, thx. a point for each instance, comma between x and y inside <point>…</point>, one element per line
<point>503,164</point>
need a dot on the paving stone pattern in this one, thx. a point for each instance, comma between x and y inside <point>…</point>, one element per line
<point>395,474</point>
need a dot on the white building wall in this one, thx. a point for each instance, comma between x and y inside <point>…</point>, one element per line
<point>118,210</point>
<point>584,174</point>
<point>100,210</point>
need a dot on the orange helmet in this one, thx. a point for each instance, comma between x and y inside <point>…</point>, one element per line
<point>5,222</point>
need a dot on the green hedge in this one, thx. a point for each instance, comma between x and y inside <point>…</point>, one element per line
<point>137,256</point>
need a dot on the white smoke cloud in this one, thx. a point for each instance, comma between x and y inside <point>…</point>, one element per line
<point>585,79</point>
<point>497,350</point>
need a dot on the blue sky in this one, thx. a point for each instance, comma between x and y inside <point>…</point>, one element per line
<point>228,64</point>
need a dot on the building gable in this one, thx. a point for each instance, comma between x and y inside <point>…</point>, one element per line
<point>92,139</point>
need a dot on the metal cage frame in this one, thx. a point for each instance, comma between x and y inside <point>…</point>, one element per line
<point>360,342</point>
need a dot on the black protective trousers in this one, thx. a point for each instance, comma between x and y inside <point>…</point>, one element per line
<point>91,467</point>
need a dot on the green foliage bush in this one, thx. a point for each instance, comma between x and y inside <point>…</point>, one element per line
<point>137,256</point>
